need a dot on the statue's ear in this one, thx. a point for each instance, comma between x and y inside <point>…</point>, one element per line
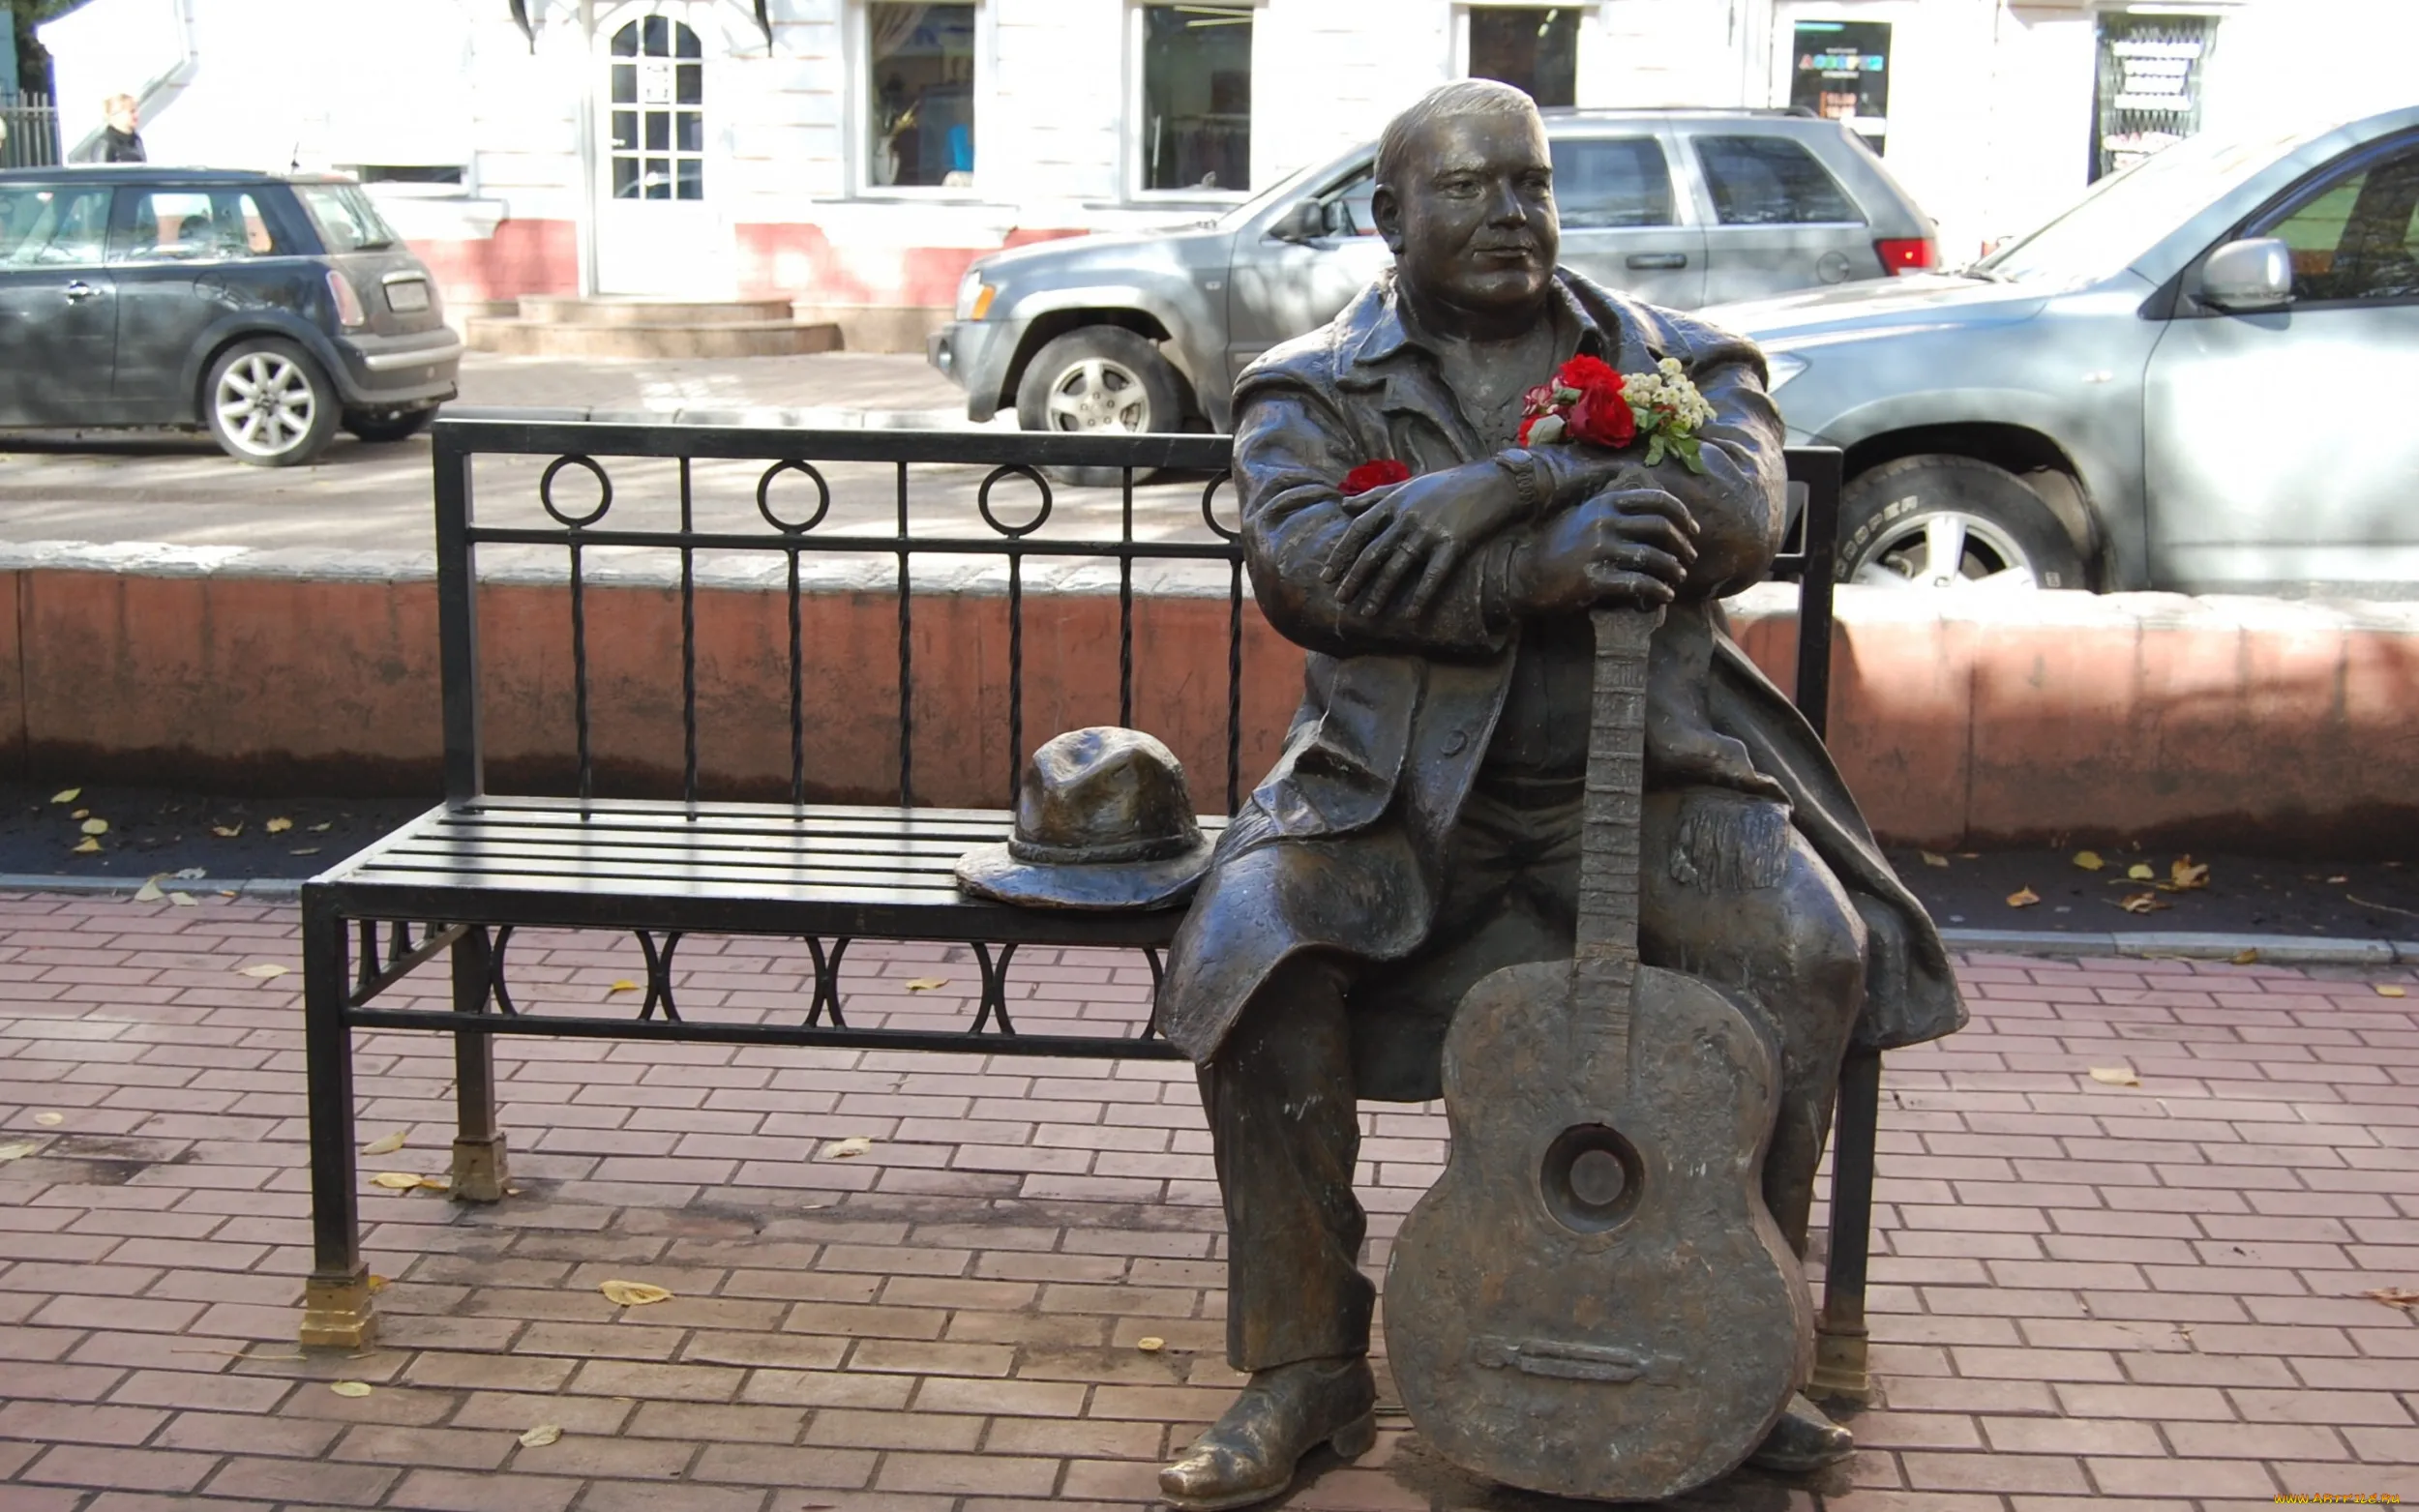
<point>1385,207</point>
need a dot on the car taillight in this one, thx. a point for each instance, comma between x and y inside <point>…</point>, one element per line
<point>1905,253</point>
<point>347,303</point>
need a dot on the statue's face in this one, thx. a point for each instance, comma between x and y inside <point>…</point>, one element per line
<point>1473,224</point>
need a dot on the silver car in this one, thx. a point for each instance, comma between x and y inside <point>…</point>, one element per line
<point>1679,208</point>
<point>2199,377</point>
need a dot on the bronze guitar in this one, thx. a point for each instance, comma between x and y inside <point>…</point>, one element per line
<point>1592,1300</point>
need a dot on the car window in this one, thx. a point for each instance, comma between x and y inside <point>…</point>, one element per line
<point>2357,237</point>
<point>48,227</point>
<point>1611,181</point>
<point>190,225</point>
<point>1348,208</point>
<point>1770,181</point>
<point>348,220</point>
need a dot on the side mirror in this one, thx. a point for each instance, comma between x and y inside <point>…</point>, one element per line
<point>2255,274</point>
<point>1304,220</point>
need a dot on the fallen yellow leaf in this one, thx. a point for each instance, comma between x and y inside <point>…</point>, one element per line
<point>2186,875</point>
<point>227,831</point>
<point>321,829</point>
<point>350,1388</point>
<point>384,1143</point>
<point>18,1152</point>
<point>81,814</point>
<point>279,826</point>
<point>625,984</point>
<point>265,970</point>
<point>540,1437</point>
<point>2023,898</point>
<point>95,826</point>
<point>1933,858</point>
<point>2247,958</point>
<point>2394,1296</point>
<point>927,984</point>
<point>395,1180</point>
<point>634,1294</point>
<point>378,1283</point>
<point>2335,881</point>
<point>86,847</point>
<point>1149,1344</point>
<point>2141,872</point>
<point>149,892</point>
<point>2389,990</point>
<point>2115,1076</point>
<point>183,900</point>
<point>846,1148</point>
<point>2089,860</point>
<point>2142,903</point>
<point>49,1120</point>
<point>306,850</point>
<point>67,795</point>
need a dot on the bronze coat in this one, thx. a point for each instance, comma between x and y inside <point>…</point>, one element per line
<point>1341,847</point>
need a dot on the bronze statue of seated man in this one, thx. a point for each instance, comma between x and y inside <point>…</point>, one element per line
<point>1421,827</point>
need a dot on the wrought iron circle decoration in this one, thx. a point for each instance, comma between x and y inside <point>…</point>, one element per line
<point>765,501</point>
<point>982,500</point>
<point>1209,512</point>
<point>546,491</point>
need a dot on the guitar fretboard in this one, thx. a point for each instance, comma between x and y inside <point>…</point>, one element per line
<point>1605,964</point>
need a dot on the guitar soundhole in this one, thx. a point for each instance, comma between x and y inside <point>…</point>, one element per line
<point>1590,1178</point>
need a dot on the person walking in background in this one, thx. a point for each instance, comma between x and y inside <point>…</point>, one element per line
<point>120,141</point>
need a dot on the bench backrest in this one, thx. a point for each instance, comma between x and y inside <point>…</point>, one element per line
<point>794,499</point>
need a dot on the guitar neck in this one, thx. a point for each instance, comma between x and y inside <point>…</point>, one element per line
<point>1605,964</point>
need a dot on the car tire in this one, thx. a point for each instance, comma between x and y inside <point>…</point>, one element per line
<point>1099,379</point>
<point>396,427</point>
<point>268,402</point>
<point>1897,519</point>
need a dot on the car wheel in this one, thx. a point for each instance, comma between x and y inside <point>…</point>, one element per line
<point>389,427</point>
<point>268,403</point>
<point>1096,380</point>
<point>1952,523</point>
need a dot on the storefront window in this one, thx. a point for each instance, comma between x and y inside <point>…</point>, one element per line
<point>921,87</point>
<point>1842,74</point>
<point>1533,48</point>
<point>1196,97</point>
<point>2148,90</point>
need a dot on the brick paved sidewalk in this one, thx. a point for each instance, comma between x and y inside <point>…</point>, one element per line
<point>2085,1294</point>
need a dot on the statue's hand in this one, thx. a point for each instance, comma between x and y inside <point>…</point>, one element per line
<point>1418,532</point>
<point>1629,547</point>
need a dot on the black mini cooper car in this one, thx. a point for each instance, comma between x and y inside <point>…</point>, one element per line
<point>268,309</point>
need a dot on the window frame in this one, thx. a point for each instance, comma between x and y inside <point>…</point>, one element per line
<point>1136,111</point>
<point>2317,182</point>
<point>121,220</point>
<point>1457,41</point>
<point>108,211</point>
<point>704,156</point>
<point>1681,201</point>
<point>857,46</point>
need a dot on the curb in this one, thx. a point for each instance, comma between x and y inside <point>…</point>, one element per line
<point>812,417</point>
<point>2274,949</point>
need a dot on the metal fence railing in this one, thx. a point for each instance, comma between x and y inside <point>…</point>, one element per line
<point>29,132</point>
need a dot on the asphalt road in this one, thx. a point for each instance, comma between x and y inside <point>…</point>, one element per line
<point>181,490</point>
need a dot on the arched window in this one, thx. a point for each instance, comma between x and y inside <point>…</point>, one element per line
<point>658,144</point>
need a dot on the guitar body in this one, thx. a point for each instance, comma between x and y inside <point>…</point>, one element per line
<point>1592,1300</point>
<point>1625,1348</point>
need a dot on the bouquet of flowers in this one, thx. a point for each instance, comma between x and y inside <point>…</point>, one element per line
<point>1589,402</point>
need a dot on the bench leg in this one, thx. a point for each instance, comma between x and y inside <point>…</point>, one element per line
<point>335,1298</point>
<point>479,1167</point>
<point>1841,1341</point>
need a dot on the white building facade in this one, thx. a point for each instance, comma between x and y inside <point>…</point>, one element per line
<point>856,154</point>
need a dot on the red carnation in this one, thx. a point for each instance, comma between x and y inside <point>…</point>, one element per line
<point>1378,474</point>
<point>1600,414</point>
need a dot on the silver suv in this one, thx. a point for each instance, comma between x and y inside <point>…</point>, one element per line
<point>1681,208</point>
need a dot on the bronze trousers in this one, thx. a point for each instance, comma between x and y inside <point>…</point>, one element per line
<point>1328,1030</point>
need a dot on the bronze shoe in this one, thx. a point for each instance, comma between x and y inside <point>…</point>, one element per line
<point>1286,1412</point>
<point>1803,1441</point>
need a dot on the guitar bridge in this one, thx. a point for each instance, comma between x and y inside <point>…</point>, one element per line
<point>1565,1361</point>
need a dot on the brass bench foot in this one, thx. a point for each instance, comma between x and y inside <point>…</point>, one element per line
<point>1839,1367</point>
<point>480,1172</point>
<point>337,1313</point>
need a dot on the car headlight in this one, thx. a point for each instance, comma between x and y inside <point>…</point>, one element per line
<point>974,297</point>
<point>1783,365</point>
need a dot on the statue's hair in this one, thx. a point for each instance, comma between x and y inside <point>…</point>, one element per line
<point>1461,97</point>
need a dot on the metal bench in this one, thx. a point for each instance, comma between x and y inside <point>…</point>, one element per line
<point>458,881</point>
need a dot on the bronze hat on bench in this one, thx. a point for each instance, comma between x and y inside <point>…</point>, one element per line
<point>1103,821</point>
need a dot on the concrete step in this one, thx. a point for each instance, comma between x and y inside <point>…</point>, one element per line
<point>565,309</point>
<point>523,337</point>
